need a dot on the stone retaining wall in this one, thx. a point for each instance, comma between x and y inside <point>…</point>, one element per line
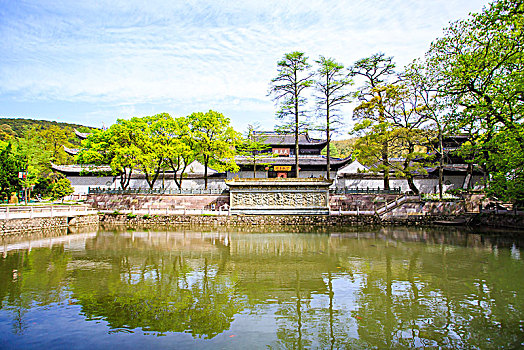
<point>505,220</point>
<point>428,208</point>
<point>364,202</point>
<point>265,220</point>
<point>160,201</point>
<point>16,226</point>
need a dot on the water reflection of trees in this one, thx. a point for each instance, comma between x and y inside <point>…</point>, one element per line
<point>162,290</point>
<point>375,288</point>
<point>32,278</point>
<point>451,298</point>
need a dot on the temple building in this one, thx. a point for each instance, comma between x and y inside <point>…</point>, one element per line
<point>278,158</point>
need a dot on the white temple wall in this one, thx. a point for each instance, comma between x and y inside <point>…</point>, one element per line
<point>243,174</point>
<point>81,184</point>
<point>457,181</point>
<point>195,184</point>
<point>425,185</point>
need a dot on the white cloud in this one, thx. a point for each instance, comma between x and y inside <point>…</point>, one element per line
<point>198,52</point>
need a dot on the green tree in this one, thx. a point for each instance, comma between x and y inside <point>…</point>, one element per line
<point>53,139</point>
<point>376,72</point>
<point>369,146</point>
<point>333,151</point>
<point>293,77</point>
<point>6,132</point>
<point>480,61</point>
<point>9,168</point>
<point>254,148</point>
<point>113,146</point>
<point>145,136</point>
<point>214,140</point>
<point>175,144</point>
<point>331,87</point>
<point>61,188</point>
<point>402,104</point>
<point>433,107</point>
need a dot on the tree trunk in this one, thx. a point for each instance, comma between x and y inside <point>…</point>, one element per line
<point>151,179</point>
<point>411,184</point>
<point>205,173</point>
<point>296,130</point>
<point>385,163</point>
<point>385,149</point>
<point>328,143</point>
<point>125,178</point>
<point>409,175</point>
<point>469,176</point>
<point>441,164</point>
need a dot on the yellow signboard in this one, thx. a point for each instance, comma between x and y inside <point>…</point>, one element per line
<point>282,168</point>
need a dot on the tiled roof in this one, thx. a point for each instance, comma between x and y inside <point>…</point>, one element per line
<point>303,160</point>
<point>273,138</point>
<point>194,169</point>
<point>77,169</point>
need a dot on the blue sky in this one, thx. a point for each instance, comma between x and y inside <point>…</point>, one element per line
<point>91,62</point>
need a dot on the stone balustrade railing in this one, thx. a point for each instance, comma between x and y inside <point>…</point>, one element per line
<point>29,212</point>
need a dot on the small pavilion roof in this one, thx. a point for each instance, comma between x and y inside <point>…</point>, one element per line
<point>82,135</point>
<point>71,151</point>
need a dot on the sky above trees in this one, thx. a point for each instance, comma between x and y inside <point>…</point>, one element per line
<point>92,62</point>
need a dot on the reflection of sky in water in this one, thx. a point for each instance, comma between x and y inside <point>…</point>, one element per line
<point>515,252</point>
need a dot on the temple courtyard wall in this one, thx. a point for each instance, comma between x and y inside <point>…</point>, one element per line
<point>126,202</point>
<point>344,202</point>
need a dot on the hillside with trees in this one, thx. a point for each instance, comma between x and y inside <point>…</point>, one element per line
<point>29,147</point>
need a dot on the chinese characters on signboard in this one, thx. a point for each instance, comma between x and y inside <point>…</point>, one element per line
<point>281,151</point>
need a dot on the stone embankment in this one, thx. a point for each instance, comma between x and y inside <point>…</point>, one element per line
<point>22,226</point>
<point>284,220</point>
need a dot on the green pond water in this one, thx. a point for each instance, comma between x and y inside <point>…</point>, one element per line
<point>277,288</point>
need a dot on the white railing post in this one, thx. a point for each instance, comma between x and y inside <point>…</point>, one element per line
<point>51,211</point>
<point>31,213</point>
<point>7,212</point>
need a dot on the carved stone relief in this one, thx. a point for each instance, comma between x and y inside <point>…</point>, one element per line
<point>281,199</point>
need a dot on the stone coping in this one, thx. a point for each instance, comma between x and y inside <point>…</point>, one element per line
<point>280,182</point>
